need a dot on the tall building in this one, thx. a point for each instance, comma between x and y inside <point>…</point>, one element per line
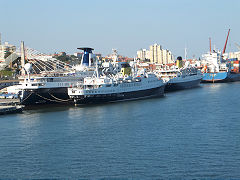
<point>156,55</point>
<point>143,54</point>
<point>5,50</point>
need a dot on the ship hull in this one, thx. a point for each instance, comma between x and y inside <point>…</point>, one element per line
<point>220,77</point>
<point>114,97</point>
<point>45,96</point>
<point>215,77</point>
<point>182,85</point>
<point>234,77</point>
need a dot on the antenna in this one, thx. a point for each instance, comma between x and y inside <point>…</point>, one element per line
<point>210,45</point>
<point>185,53</point>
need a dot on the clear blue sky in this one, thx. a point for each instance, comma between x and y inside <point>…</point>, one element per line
<point>127,25</point>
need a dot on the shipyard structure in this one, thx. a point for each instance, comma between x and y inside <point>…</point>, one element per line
<point>156,55</point>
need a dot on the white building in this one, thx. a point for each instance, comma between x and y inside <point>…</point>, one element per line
<point>5,49</point>
<point>156,55</point>
<point>143,54</point>
<point>234,55</point>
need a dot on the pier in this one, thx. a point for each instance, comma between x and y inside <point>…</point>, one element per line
<point>9,106</point>
<point>6,83</point>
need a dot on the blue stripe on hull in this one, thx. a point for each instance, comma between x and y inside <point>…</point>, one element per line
<point>182,85</point>
<point>221,77</point>
<point>96,99</point>
<point>215,77</point>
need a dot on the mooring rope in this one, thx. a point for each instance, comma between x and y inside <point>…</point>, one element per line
<point>63,100</point>
<point>46,98</point>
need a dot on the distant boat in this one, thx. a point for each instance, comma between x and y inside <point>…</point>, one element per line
<point>178,78</point>
<point>218,70</point>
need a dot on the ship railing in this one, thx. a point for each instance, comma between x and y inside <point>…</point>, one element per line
<point>87,87</point>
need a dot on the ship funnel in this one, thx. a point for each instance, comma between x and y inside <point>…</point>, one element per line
<point>179,62</point>
<point>86,58</point>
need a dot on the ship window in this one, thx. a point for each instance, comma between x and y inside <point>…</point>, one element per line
<point>50,80</point>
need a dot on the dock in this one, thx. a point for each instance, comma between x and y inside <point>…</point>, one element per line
<point>6,83</point>
<point>10,109</point>
<point>10,106</point>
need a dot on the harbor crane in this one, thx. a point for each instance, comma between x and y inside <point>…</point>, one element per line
<point>224,49</point>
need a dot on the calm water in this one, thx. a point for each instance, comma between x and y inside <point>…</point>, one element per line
<point>191,134</point>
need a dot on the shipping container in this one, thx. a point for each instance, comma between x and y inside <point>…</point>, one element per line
<point>232,59</point>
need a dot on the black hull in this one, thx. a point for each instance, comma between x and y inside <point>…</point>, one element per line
<point>182,85</point>
<point>96,99</point>
<point>232,77</point>
<point>45,96</point>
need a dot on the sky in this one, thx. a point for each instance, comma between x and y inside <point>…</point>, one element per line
<point>51,26</point>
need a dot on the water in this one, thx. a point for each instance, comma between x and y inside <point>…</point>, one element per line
<point>191,134</point>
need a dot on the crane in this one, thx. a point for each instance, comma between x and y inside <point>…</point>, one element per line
<point>224,49</point>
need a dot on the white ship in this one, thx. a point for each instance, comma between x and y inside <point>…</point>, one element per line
<point>51,86</point>
<point>178,78</point>
<point>120,87</point>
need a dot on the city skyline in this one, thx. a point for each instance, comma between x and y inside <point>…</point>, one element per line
<point>127,26</point>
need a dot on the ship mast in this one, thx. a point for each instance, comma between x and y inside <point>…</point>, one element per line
<point>185,53</point>
<point>210,45</point>
<point>22,58</point>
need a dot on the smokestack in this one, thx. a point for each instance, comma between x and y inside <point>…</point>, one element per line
<point>22,59</point>
<point>86,58</point>
<point>0,39</point>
